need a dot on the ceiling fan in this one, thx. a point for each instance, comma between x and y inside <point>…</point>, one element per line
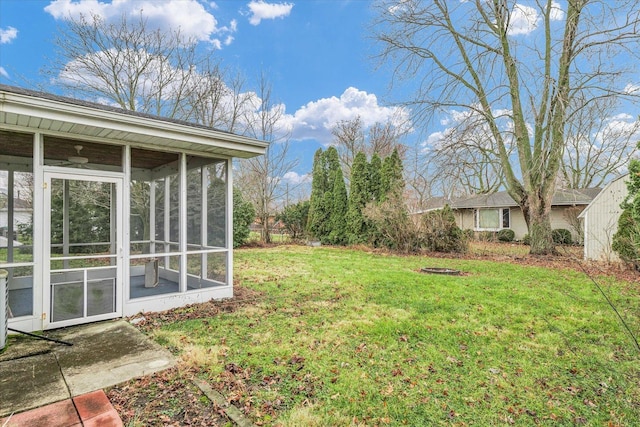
<point>76,160</point>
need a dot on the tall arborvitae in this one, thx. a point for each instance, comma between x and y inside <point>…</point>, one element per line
<point>335,198</point>
<point>375,171</point>
<point>358,197</point>
<point>391,179</point>
<point>333,163</point>
<point>338,221</point>
<point>317,223</point>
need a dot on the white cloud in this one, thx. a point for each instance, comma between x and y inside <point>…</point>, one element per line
<point>621,126</point>
<point>8,35</point>
<point>469,125</point>
<point>401,7</point>
<point>3,72</point>
<point>632,89</point>
<point>262,10</point>
<point>190,16</point>
<point>316,119</point>
<point>557,14</point>
<point>295,178</point>
<point>525,19</point>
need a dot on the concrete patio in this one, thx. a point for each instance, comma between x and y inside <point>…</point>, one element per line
<point>35,373</point>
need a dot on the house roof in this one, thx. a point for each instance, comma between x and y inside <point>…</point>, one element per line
<point>72,118</point>
<point>501,199</point>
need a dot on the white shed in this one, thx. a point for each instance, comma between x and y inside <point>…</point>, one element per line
<point>601,221</point>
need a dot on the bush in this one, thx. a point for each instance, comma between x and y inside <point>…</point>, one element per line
<point>441,234</point>
<point>243,216</point>
<point>294,217</point>
<point>626,241</point>
<point>561,236</point>
<point>506,235</point>
<point>526,239</point>
<point>487,236</point>
<point>392,226</point>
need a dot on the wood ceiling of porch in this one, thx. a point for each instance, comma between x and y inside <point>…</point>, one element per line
<point>18,144</point>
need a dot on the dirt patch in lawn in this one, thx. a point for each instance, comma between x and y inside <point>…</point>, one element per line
<point>168,398</point>
<point>241,297</point>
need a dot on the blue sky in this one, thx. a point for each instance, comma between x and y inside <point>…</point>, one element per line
<point>316,53</point>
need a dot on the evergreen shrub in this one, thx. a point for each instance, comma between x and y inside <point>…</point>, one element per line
<point>506,235</point>
<point>561,236</point>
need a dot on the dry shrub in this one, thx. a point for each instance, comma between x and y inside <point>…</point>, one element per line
<point>441,234</point>
<point>393,227</point>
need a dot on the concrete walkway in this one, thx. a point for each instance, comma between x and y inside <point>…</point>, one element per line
<point>35,373</point>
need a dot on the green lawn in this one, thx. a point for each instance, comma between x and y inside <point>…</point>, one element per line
<point>347,337</point>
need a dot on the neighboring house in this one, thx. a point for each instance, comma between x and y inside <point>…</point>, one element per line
<point>131,212</point>
<point>498,211</point>
<point>21,213</point>
<point>600,220</point>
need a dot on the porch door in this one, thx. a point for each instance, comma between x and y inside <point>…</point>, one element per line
<point>83,247</point>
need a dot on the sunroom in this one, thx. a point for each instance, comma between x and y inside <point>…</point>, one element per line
<point>106,213</point>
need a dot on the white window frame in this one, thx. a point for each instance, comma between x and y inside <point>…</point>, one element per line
<point>500,211</point>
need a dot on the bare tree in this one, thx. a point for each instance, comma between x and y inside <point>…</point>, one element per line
<point>599,144</point>
<point>261,178</point>
<point>465,156</point>
<point>418,177</point>
<point>131,66</point>
<point>219,104</point>
<point>350,137</point>
<point>526,62</point>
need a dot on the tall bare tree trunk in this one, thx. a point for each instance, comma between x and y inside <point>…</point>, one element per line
<point>537,214</point>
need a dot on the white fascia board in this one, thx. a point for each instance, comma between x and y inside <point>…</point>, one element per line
<point>136,125</point>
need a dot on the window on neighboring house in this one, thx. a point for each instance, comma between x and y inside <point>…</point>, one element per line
<point>506,218</point>
<point>492,219</point>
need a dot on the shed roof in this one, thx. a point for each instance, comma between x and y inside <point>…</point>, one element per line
<point>56,115</point>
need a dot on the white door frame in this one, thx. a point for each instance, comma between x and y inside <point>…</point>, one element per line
<point>115,178</point>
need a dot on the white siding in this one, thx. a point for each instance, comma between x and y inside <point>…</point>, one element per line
<point>601,221</point>
<point>465,220</point>
<point>559,220</point>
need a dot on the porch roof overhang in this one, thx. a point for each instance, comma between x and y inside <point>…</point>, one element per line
<point>71,118</point>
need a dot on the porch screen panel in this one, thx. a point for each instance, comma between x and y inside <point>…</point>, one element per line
<point>81,218</point>
<point>140,220</point>
<point>157,271</point>
<point>217,266</point>
<point>154,223</point>
<point>16,219</point>
<point>194,208</point>
<point>20,291</point>
<point>217,204</point>
<point>67,301</point>
<point>174,208</point>
<point>158,244</point>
